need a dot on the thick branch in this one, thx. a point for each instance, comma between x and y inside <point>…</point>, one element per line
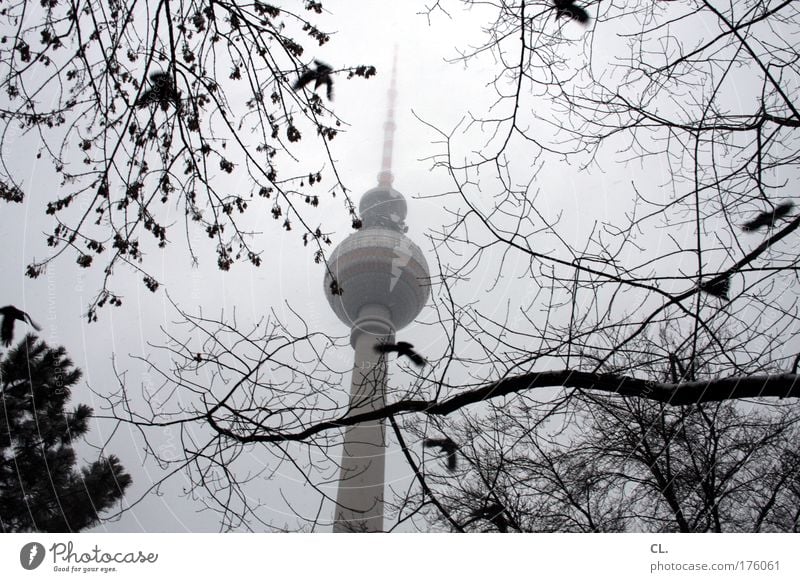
<point>675,394</point>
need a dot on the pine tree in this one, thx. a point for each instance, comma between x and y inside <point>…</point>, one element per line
<point>40,488</point>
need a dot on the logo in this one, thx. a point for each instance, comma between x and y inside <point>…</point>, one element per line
<point>31,555</point>
<point>402,256</point>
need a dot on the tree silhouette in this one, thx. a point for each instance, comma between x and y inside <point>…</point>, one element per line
<point>136,116</point>
<point>40,488</point>
<point>634,466</point>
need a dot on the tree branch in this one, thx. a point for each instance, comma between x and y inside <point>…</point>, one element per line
<point>674,394</point>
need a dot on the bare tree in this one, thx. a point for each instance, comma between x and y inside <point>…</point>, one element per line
<point>146,107</point>
<point>639,466</point>
<point>698,102</point>
<point>606,463</point>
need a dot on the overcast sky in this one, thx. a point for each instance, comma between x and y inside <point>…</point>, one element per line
<point>429,89</point>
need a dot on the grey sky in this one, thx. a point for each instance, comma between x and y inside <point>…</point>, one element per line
<point>429,90</point>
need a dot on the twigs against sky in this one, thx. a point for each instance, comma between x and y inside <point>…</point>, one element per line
<point>138,110</point>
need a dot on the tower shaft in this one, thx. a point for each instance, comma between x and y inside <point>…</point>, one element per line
<point>359,501</point>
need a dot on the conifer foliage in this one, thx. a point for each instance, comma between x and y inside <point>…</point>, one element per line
<point>41,489</point>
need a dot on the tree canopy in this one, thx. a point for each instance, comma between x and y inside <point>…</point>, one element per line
<point>41,489</point>
<point>143,107</point>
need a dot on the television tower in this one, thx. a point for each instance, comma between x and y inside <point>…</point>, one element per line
<point>384,280</point>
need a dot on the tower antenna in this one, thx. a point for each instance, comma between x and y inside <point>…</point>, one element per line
<point>385,177</point>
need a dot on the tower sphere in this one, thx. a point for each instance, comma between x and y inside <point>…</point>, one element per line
<point>378,266</point>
